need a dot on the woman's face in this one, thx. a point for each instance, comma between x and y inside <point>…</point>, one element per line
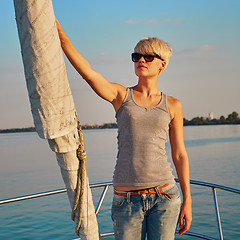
<point>144,69</point>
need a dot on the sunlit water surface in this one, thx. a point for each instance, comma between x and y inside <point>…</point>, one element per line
<point>28,166</point>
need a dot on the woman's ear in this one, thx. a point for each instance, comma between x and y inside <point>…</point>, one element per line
<point>163,66</point>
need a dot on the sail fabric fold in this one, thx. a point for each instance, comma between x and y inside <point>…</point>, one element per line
<point>51,100</point>
<point>69,165</point>
<point>49,92</point>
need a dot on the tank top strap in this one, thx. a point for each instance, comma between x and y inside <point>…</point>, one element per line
<point>163,103</point>
<point>128,95</point>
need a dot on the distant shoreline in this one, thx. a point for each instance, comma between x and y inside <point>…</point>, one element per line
<point>232,119</point>
<point>84,127</point>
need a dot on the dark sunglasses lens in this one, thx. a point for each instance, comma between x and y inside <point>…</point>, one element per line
<point>136,57</point>
<point>148,58</point>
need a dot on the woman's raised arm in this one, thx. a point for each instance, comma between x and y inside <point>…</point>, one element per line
<point>111,92</point>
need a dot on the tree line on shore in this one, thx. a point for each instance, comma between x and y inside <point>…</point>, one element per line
<point>232,118</point>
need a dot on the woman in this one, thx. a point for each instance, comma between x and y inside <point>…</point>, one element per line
<point>146,198</point>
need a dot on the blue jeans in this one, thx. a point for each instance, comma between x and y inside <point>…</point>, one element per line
<point>154,215</point>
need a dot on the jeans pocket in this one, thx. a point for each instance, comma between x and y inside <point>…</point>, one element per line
<point>172,193</point>
<point>118,201</point>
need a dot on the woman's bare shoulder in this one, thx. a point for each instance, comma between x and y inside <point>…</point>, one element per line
<point>174,106</point>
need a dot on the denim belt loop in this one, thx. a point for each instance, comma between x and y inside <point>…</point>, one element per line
<point>128,197</point>
<point>158,191</point>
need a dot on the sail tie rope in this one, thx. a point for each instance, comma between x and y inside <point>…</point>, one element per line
<point>81,155</point>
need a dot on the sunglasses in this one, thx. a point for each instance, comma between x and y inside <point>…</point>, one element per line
<point>147,57</point>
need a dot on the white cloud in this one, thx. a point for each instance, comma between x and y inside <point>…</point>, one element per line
<point>174,20</point>
<point>106,57</point>
<point>102,54</point>
<point>131,22</point>
<point>201,48</point>
<point>146,21</point>
<point>155,21</point>
<point>152,21</point>
<point>206,47</point>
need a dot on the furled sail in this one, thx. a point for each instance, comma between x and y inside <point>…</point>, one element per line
<point>52,105</point>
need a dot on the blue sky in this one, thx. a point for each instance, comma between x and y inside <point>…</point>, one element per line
<point>202,73</point>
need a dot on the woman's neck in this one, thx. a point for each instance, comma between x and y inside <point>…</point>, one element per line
<point>147,86</point>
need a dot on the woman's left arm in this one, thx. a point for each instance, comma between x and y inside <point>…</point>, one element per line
<point>180,160</point>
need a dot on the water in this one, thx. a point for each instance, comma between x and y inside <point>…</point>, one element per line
<point>28,166</point>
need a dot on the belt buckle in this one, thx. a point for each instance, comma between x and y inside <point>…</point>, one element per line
<point>140,192</point>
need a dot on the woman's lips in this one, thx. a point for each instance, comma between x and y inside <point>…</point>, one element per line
<point>141,66</point>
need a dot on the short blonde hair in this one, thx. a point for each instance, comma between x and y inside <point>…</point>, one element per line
<point>149,45</point>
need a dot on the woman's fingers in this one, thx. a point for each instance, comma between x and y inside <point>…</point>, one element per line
<point>185,219</point>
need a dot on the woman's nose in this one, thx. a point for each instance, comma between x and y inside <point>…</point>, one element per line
<point>141,59</point>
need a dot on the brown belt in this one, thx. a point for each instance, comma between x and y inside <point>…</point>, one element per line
<point>144,191</point>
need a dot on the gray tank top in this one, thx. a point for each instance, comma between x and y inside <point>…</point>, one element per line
<point>142,134</point>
